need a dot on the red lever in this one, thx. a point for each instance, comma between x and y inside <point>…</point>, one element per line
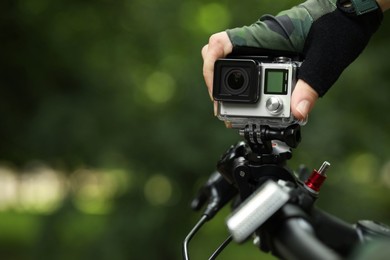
<point>317,178</point>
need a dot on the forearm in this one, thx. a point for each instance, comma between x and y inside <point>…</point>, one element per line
<point>266,33</point>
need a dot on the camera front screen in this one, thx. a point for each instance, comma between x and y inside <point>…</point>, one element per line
<point>275,81</point>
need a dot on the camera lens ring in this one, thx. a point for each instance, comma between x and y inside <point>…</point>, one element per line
<point>236,80</point>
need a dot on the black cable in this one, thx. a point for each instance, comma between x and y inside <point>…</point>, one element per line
<point>190,235</point>
<point>220,248</point>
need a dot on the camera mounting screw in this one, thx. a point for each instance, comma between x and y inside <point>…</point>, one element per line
<point>282,59</point>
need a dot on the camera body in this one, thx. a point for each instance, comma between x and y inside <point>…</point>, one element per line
<point>255,90</point>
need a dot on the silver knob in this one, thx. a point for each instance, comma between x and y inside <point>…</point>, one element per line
<point>274,105</point>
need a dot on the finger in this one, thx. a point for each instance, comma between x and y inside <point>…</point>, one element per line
<point>207,70</point>
<point>212,53</point>
<point>219,46</point>
<point>303,100</point>
<point>204,51</point>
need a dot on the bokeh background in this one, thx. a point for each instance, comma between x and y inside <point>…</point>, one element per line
<point>107,130</point>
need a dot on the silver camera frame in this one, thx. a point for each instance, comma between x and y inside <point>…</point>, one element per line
<point>238,115</point>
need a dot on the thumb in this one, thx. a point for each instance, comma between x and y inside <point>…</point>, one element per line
<point>302,100</point>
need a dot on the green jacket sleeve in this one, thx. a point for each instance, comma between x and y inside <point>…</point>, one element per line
<point>287,31</point>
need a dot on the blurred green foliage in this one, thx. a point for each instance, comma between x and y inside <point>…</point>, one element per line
<point>117,85</point>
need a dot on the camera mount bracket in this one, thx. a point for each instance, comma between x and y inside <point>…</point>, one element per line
<point>261,138</point>
<point>262,157</point>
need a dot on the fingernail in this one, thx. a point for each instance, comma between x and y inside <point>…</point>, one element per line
<point>303,108</point>
<point>211,96</point>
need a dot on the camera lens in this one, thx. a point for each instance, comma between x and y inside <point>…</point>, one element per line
<point>237,80</point>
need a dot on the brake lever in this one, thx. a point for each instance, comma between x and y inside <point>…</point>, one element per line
<point>216,192</point>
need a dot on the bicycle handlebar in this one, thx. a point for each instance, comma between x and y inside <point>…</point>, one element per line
<point>296,239</point>
<point>294,229</point>
<point>334,232</point>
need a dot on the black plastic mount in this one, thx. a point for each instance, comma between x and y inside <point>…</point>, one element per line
<point>260,138</point>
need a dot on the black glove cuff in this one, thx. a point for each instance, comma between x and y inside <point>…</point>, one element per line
<point>357,7</point>
<point>335,40</point>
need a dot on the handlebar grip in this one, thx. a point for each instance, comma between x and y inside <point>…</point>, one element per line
<point>296,239</point>
<point>334,232</point>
